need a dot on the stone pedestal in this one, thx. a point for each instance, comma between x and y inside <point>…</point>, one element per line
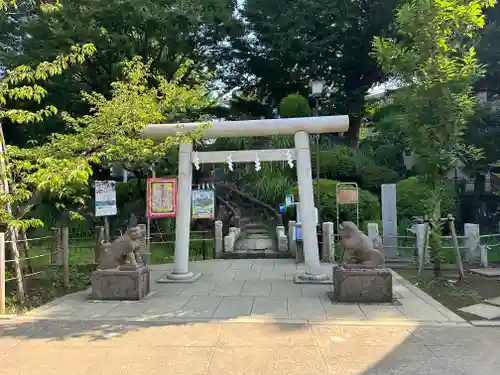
<point>362,284</point>
<point>121,284</point>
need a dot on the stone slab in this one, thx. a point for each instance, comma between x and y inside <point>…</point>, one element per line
<point>493,301</point>
<point>488,272</point>
<point>360,284</point>
<point>483,310</point>
<point>121,285</point>
<point>165,280</point>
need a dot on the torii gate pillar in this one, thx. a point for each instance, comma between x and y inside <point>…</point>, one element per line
<point>300,127</point>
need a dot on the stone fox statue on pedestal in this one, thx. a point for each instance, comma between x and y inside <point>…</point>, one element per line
<point>122,250</point>
<point>358,245</point>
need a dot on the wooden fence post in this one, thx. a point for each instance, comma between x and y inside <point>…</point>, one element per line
<point>65,252</point>
<point>56,256</point>
<point>100,238</point>
<point>2,273</point>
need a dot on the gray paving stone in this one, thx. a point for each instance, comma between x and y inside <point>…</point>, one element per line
<point>306,308</point>
<point>256,288</point>
<point>342,311</point>
<point>234,307</point>
<point>275,307</point>
<point>200,307</point>
<point>483,310</point>
<point>223,289</point>
<point>285,288</point>
<point>493,301</point>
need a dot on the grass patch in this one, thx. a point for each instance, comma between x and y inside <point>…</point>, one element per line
<point>455,295</point>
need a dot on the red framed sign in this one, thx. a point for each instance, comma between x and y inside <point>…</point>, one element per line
<point>162,197</point>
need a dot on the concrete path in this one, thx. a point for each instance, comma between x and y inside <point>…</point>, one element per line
<point>205,348</point>
<point>246,317</point>
<point>252,290</point>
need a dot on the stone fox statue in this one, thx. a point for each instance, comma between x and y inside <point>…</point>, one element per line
<point>122,250</point>
<point>358,246</point>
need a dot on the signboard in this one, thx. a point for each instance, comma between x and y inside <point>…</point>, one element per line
<point>282,208</point>
<point>347,195</point>
<point>203,204</point>
<point>298,233</point>
<point>289,200</point>
<point>105,198</point>
<point>162,197</point>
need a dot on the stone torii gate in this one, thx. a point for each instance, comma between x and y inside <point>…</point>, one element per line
<point>299,127</point>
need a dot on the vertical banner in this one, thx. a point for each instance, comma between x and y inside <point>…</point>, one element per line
<point>203,204</point>
<point>161,197</point>
<point>105,198</point>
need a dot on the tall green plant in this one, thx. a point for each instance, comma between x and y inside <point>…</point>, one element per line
<point>435,61</point>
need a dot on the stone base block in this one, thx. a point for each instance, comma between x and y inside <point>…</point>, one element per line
<point>172,278</point>
<point>121,285</point>
<point>362,284</point>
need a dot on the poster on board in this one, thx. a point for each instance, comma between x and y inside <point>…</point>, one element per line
<point>162,197</point>
<point>105,198</point>
<point>203,204</point>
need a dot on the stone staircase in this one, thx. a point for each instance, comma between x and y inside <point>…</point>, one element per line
<point>255,240</point>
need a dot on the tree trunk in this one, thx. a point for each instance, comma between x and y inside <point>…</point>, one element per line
<point>5,189</point>
<point>435,233</point>
<point>353,133</point>
<point>479,181</point>
<point>23,240</point>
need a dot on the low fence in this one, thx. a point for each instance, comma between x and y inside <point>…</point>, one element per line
<point>65,248</point>
<point>475,249</point>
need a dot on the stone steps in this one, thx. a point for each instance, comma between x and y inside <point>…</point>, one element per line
<point>259,254</point>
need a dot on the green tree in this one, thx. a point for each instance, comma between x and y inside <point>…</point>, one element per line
<point>17,190</point>
<point>282,45</point>
<point>163,32</point>
<point>435,61</point>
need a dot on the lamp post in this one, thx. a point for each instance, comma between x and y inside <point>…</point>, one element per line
<point>317,87</point>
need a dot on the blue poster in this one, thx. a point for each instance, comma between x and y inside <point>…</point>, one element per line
<point>282,208</point>
<point>289,200</point>
<point>298,233</point>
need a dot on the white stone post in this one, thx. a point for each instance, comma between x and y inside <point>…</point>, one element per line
<point>307,217</point>
<point>473,250</point>
<point>420,229</point>
<point>328,248</point>
<point>183,220</point>
<point>292,243</point>
<point>219,239</point>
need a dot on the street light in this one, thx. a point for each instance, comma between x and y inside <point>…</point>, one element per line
<point>317,87</point>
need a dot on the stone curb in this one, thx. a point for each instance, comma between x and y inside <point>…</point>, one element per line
<point>391,323</point>
<point>428,299</point>
<point>485,323</point>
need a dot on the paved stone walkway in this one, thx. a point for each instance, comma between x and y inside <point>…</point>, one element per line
<point>251,290</point>
<point>246,317</point>
<point>205,348</point>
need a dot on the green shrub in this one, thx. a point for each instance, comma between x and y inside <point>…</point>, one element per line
<point>294,105</point>
<point>369,206</point>
<point>338,163</point>
<point>413,198</point>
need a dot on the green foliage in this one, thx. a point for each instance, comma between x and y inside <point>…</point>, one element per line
<point>294,105</point>
<point>435,61</point>
<point>414,198</point>
<point>165,33</point>
<point>369,206</point>
<point>296,40</point>
<point>339,163</point>
<point>25,178</point>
